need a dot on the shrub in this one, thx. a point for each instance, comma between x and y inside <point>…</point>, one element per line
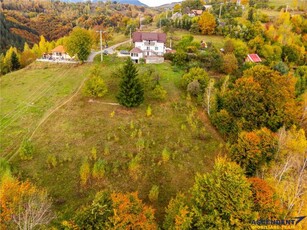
<point>194,88</point>
<point>95,87</point>
<point>197,74</point>
<point>154,193</point>
<point>94,154</point>
<point>26,150</point>
<point>148,111</point>
<point>159,93</point>
<point>134,167</point>
<point>84,172</point>
<point>51,161</point>
<point>165,155</point>
<point>99,169</point>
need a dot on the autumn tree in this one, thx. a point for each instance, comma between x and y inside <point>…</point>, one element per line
<point>27,57</point>
<point>131,92</point>
<point>131,213</point>
<point>230,63</point>
<point>94,216</point>
<point>254,149</point>
<point>238,47</point>
<point>95,85</point>
<point>266,202</point>
<point>114,211</point>
<point>79,43</point>
<point>211,203</point>
<point>22,205</point>
<point>263,97</point>
<point>178,214</point>
<point>288,173</point>
<point>195,74</point>
<point>207,23</point>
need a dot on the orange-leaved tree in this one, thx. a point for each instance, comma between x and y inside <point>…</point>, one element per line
<point>23,205</point>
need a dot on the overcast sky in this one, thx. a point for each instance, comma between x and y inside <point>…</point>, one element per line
<point>157,2</point>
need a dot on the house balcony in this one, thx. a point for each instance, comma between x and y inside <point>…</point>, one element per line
<point>149,43</point>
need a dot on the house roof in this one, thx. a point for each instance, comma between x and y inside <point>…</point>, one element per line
<point>254,58</point>
<point>136,50</point>
<point>146,36</point>
<point>59,49</point>
<point>197,12</point>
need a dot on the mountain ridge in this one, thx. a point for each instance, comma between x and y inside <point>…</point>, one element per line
<point>132,2</point>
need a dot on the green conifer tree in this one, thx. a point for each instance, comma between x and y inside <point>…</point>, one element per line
<point>131,92</point>
<point>15,62</point>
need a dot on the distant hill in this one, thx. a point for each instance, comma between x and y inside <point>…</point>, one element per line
<point>169,5</point>
<point>132,2</point>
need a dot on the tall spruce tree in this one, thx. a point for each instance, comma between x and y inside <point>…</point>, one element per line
<point>131,92</point>
<point>15,62</point>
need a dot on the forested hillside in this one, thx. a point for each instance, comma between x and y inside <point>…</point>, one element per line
<point>25,21</point>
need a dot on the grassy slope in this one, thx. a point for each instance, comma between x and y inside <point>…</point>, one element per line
<point>71,133</point>
<point>27,95</point>
<point>217,41</point>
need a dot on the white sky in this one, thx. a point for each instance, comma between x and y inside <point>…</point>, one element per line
<point>157,2</point>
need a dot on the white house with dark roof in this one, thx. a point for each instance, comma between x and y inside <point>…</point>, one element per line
<point>150,46</point>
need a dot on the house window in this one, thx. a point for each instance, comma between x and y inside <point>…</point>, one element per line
<point>148,48</point>
<point>156,48</point>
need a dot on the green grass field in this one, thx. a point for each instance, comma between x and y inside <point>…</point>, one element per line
<point>29,94</point>
<point>129,142</point>
<point>217,41</point>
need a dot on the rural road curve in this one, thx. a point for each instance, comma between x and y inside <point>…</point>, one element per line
<point>109,49</point>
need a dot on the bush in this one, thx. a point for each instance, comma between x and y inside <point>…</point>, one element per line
<point>148,111</point>
<point>197,74</point>
<point>94,154</point>
<point>99,169</point>
<point>51,161</point>
<point>95,87</point>
<point>165,155</point>
<point>194,88</point>
<point>159,93</point>
<point>230,63</point>
<point>84,172</point>
<point>281,67</point>
<point>26,150</point>
<point>154,193</point>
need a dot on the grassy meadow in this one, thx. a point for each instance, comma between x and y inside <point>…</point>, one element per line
<point>217,41</point>
<point>138,150</point>
<point>29,94</point>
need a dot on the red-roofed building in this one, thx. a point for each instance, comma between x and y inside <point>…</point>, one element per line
<point>148,45</point>
<point>253,58</point>
<point>59,52</point>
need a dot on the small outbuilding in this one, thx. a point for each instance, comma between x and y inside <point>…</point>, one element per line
<point>136,54</point>
<point>254,58</point>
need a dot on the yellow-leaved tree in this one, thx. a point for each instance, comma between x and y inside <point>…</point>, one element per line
<point>207,23</point>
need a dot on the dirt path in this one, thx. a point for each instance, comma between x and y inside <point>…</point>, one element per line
<point>207,123</point>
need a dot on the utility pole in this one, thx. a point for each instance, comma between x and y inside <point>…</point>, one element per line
<point>101,54</point>
<point>130,36</point>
